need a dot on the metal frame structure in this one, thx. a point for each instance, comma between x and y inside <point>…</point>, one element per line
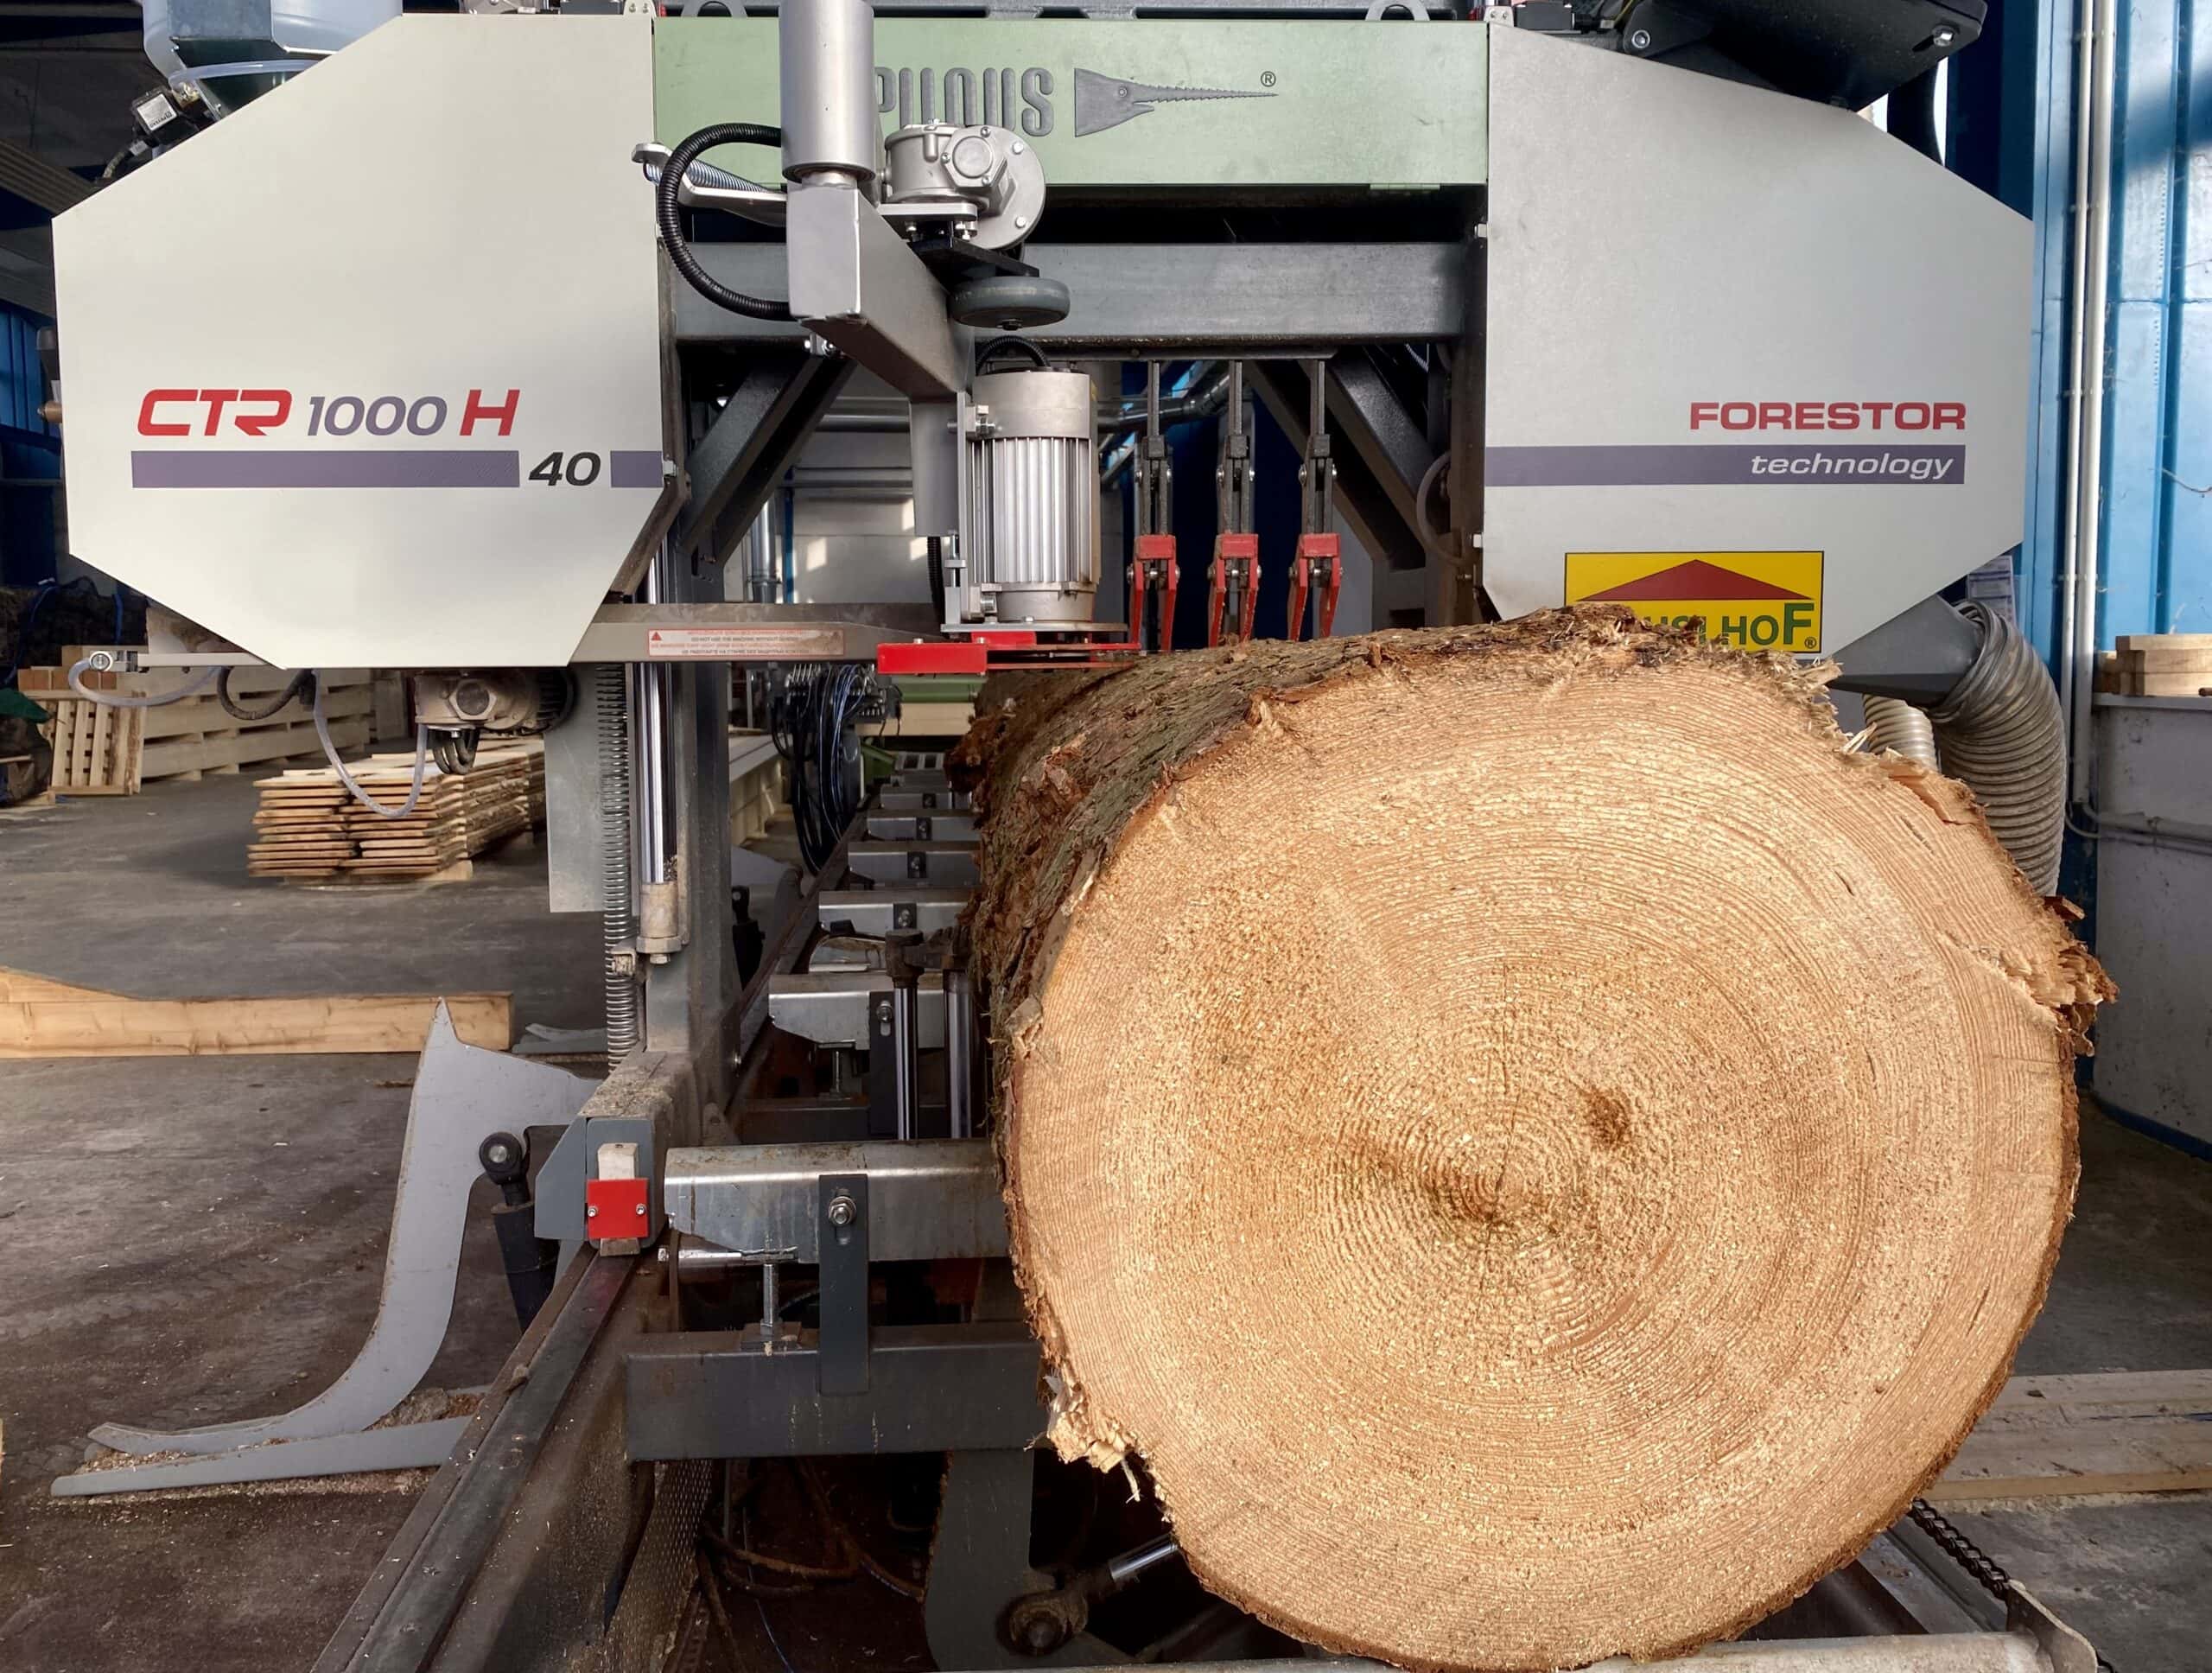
<point>1364,337</point>
<point>619,1391</point>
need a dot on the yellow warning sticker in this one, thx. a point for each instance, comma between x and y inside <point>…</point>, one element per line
<point>1761,600</point>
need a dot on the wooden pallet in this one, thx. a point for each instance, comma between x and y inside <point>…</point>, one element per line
<point>2157,665</point>
<point>98,751</point>
<point>308,828</point>
<point>113,751</point>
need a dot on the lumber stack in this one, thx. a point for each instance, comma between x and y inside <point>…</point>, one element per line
<point>43,1018</point>
<point>101,750</point>
<point>308,828</point>
<point>2157,665</point>
<point>1538,1150</point>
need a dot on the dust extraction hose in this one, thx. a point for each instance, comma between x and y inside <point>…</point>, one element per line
<point>1895,724</point>
<point>2001,732</point>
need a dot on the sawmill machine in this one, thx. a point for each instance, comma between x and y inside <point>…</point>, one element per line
<point>476,349</point>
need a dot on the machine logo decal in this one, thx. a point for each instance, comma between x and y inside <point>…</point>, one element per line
<point>1106,101</point>
<point>1693,464</point>
<point>992,98</point>
<point>398,421</point>
<point>327,467</point>
<point>1761,600</point>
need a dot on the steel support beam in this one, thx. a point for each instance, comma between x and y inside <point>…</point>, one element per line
<point>931,1388</point>
<point>1373,493</point>
<point>759,431</point>
<point>1175,299</point>
<point>403,1616</point>
<point>853,281</point>
<point>715,631</point>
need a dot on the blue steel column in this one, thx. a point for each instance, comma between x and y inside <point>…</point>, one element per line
<point>2157,572</point>
<point>2045,142</point>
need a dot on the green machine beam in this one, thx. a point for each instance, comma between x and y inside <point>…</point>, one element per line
<point>1190,105</point>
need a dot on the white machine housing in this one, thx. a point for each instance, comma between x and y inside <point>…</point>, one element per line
<point>1735,329</point>
<point>403,402</point>
<point>369,374</point>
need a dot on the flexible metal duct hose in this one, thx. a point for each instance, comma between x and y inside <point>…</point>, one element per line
<point>2001,732</point>
<point>1895,725</point>
<point>611,687</point>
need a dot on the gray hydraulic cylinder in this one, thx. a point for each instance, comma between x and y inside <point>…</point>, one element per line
<point>826,51</point>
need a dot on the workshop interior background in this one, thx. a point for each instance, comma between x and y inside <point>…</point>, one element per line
<point>216,977</point>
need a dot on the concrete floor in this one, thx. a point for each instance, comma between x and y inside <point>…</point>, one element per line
<point>197,1239</point>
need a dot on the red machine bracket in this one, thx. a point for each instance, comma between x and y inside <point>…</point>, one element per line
<point>1154,566</point>
<point>616,1209</point>
<point>1318,565</point>
<point>1236,566</point>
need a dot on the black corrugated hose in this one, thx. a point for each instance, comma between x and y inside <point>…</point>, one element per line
<point>668,214</point>
<point>303,687</point>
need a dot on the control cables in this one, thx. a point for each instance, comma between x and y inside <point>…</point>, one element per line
<point>667,213</point>
<point>304,680</point>
<point>811,718</point>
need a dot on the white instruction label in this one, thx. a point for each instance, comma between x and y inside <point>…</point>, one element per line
<point>764,643</point>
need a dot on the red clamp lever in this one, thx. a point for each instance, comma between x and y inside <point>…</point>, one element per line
<point>1236,568</point>
<point>1154,567</point>
<point>1318,567</point>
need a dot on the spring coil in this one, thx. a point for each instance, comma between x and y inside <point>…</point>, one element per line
<point>1960,1549</point>
<point>611,688</point>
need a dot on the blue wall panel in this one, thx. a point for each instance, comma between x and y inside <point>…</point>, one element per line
<point>22,384</point>
<point>2156,558</point>
<point>2031,90</point>
<point>31,458</point>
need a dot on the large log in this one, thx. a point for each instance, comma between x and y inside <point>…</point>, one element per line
<point>1539,1149</point>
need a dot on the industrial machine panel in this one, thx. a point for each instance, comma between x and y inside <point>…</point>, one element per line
<point>1201,104</point>
<point>369,374</point>
<point>1748,358</point>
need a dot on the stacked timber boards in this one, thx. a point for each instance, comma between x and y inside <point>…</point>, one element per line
<point>102,750</point>
<point>2157,665</point>
<point>309,828</point>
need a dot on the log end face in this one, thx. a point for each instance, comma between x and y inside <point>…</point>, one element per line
<point>1540,1151</point>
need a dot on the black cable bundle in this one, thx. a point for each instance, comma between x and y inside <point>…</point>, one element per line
<point>810,719</point>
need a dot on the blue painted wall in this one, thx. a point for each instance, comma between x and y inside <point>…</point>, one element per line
<point>30,458</point>
<point>2158,512</point>
<point>2011,113</point>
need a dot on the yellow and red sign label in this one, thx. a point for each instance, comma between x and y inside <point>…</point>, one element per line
<point>1760,600</point>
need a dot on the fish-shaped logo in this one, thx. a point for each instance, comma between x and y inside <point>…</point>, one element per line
<point>1107,101</point>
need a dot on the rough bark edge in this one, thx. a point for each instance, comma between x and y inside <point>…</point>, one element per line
<point>1028,738</point>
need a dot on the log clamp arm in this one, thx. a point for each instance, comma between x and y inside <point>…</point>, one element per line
<point>1318,567</point>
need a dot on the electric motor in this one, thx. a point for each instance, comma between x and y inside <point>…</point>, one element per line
<point>1032,488</point>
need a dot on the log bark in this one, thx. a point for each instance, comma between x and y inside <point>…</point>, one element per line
<point>1540,1150</point>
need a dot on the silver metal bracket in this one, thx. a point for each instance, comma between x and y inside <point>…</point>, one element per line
<point>835,1007</point>
<point>880,912</point>
<point>462,1095</point>
<point>930,1199</point>
<point>951,865</point>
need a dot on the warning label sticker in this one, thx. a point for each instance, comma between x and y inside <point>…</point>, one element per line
<point>1761,600</point>
<point>742,644</point>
